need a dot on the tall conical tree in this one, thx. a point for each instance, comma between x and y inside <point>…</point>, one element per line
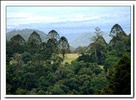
<point>116,31</point>
<point>16,44</point>
<point>98,33</point>
<point>63,45</point>
<point>98,47</point>
<point>53,35</point>
<point>118,39</point>
<point>17,39</point>
<point>34,42</point>
<point>52,43</point>
<point>52,46</point>
<point>35,37</point>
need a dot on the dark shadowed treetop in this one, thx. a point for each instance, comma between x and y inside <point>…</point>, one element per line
<point>63,43</point>
<point>116,31</point>
<point>52,43</point>
<point>17,39</point>
<point>117,34</point>
<point>35,36</point>
<point>53,35</point>
<point>63,46</point>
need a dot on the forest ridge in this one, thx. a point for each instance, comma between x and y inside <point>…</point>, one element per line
<point>34,67</point>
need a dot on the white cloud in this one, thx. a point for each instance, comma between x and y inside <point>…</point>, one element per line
<point>26,18</point>
<point>18,14</point>
<point>80,20</point>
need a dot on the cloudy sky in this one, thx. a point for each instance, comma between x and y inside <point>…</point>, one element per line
<point>69,20</point>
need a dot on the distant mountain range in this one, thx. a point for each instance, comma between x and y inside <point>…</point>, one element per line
<point>25,33</point>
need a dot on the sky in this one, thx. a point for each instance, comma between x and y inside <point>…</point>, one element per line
<point>69,21</point>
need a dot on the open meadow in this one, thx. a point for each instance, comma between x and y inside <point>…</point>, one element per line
<point>70,57</point>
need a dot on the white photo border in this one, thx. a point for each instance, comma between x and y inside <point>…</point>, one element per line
<point>4,4</point>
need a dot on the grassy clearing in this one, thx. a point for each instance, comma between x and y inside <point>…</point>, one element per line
<point>101,66</point>
<point>69,58</point>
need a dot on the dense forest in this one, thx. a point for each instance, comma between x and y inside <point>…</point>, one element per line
<point>34,67</point>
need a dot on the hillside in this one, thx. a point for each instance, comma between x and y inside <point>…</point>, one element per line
<point>81,40</point>
<point>25,33</point>
<point>85,39</point>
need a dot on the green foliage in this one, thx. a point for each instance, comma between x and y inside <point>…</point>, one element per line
<point>111,59</point>
<point>35,37</point>
<point>98,33</point>
<point>97,49</point>
<point>53,35</point>
<point>63,46</point>
<point>31,46</point>
<point>29,81</point>
<point>57,90</point>
<point>38,60</point>
<point>117,31</point>
<point>37,68</point>
<point>12,48</point>
<point>87,71</point>
<point>98,82</point>
<point>26,56</point>
<point>20,91</point>
<point>119,41</point>
<point>81,50</point>
<point>52,46</point>
<point>119,76</point>
<point>85,58</point>
<point>17,39</point>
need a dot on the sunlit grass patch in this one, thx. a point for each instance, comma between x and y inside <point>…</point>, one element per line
<point>70,57</point>
<point>101,66</point>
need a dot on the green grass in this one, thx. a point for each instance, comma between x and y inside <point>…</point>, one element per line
<point>101,66</point>
<point>70,57</point>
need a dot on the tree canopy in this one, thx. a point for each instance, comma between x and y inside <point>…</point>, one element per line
<point>53,35</point>
<point>34,67</point>
<point>35,37</point>
<point>17,39</point>
<point>63,45</point>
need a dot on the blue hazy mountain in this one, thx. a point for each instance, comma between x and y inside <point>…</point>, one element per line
<point>85,39</point>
